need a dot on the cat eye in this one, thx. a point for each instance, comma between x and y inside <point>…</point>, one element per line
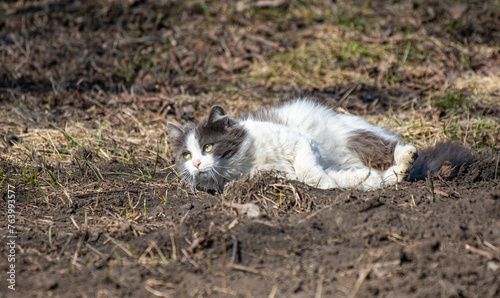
<point>208,147</point>
<point>186,155</point>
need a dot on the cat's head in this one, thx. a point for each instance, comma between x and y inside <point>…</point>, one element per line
<point>204,152</point>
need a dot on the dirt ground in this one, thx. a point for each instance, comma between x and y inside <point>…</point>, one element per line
<point>86,88</point>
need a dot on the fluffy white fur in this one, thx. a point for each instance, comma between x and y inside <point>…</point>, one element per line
<point>304,141</point>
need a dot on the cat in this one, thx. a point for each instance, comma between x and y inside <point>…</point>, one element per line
<point>302,140</point>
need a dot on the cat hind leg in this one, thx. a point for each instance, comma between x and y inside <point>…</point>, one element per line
<point>404,156</point>
<point>308,168</point>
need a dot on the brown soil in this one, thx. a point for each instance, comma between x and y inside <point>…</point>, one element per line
<point>106,217</point>
<point>400,241</point>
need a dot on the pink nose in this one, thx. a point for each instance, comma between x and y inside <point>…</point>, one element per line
<point>196,164</point>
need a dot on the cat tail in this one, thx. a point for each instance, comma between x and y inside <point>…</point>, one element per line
<point>445,159</point>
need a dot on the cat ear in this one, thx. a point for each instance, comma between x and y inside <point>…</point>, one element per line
<point>218,114</point>
<point>175,130</point>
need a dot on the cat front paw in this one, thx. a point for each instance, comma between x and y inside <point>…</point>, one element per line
<point>325,183</point>
<point>404,156</point>
<point>322,181</point>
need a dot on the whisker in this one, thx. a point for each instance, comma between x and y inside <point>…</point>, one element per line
<point>185,176</point>
<point>177,175</point>
<point>214,177</point>
<point>223,167</point>
<point>193,184</point>
<point>223,176</point>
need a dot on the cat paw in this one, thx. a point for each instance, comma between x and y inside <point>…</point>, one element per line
<point>325,183</point>
<point>404,156</point>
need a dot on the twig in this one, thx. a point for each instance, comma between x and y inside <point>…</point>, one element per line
<point>265,41</point>
<point>74,222</point>
<point>174,250</point>
<point>491,246</point>
<point>68,196</point>
<point>184,217</point>
<point>94,250</point>
<point>319,289</point>
<point>245,269</point>
<point>119,245</point>
<point>235,248</point>
<point>189,259</point>
<point>347,93</point>
<point>479,251</point>
<point>153,282</point>
<point>64,247</point>
<point>150,247</point>
<point>195,244</point>
<point>75,256</point>
<point>363,274</point>
<point>223,259</point>
<point>274,290</point>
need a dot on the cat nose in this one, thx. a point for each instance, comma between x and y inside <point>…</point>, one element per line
<point>196,163</point>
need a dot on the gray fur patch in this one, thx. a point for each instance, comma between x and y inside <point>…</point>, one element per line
<point>225,134</point>
<point>178,134</point>
<point>373,151</point>
<point>178,140</point>
<point>219,129</point>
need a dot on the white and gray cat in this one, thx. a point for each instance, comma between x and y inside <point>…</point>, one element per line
<point>303,141</point>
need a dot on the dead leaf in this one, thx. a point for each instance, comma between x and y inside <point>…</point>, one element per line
<point>445,171</point>
<point>436,113</point>
<point>242,5</point>
<point>456,11</point>
<point>229,64</point>
<point>251,210</point>
<point>440,192</point>
<point>266,42</point>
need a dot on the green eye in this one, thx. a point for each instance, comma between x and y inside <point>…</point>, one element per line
<point>186,155</point>
<point>208,147</point>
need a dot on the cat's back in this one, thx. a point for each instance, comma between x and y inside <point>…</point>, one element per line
<point>301,113</point>
<point>315,121</point>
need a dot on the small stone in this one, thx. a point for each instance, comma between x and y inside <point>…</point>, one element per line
<point>493,266</point>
